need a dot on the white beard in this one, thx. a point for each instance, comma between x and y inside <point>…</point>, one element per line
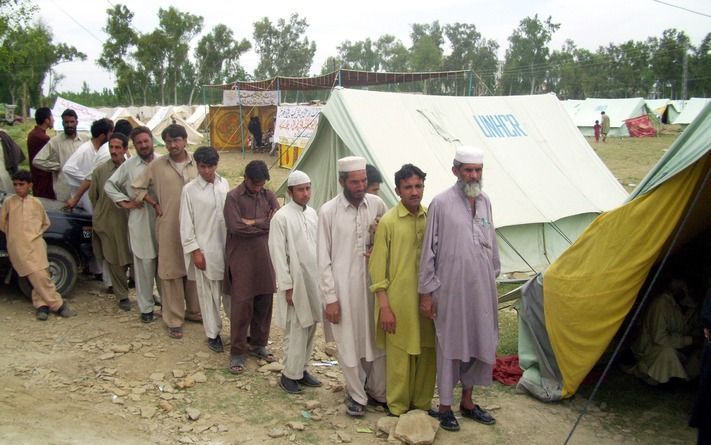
<point>472,189</point>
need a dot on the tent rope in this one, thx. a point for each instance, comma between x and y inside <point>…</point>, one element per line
<point>508,243</point>
<point>637,311</point>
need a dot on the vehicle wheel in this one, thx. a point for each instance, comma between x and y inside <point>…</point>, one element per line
<point>62,269</point>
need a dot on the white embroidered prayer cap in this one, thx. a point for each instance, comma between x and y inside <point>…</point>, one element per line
<point>351,164</point>
<point>467,154</point>
<point>297,177</point>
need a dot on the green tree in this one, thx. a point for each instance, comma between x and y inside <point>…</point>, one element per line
<point>217,58</point>
<point>283,48</point>
<point>117,49</point>
<point>178,29</point>
<point>471,51</point>
<point>426,50</point>
<point>152,51</point>
<point>527,56</point>
<point>700,69</point>
<point>360,55</point>
<point>667,60</point>
<point>32,56</point>
<point>627,68</point>
<point>393,54</point>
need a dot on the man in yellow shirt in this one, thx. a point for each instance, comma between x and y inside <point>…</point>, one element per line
<point>406,336</point>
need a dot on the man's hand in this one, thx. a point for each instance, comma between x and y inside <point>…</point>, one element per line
<point>387,320</point>
<point>428,308</point>
<point>199,259</point>
<point>249,222</point>
<point>289,295</point>
<point>159,211</point>
<point>333,312</point>
<point>72,202</point>
<point>130,205</point>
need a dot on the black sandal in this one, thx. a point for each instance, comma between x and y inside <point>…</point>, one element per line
<point>478,414</point>
<point>448,422</point>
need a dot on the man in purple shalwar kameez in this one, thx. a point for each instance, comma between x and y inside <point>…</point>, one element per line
<point>458,269</point>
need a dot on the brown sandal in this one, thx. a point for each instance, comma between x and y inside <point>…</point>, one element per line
<point>176,333</point>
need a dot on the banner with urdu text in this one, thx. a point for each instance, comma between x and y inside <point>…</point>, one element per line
<point>295,124</point>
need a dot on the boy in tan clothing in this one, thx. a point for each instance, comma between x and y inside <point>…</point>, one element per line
<point>24,220</point>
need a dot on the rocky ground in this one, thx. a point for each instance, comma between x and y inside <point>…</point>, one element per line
<point>105,377</point>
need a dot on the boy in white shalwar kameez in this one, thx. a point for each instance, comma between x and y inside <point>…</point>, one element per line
<point>292,247</point>
<point>203,233</point>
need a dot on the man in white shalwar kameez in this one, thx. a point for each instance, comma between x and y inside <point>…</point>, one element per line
<point>292,248</point>
<point>80,165</point>
<point>344,241</point>
<point>203,234</point>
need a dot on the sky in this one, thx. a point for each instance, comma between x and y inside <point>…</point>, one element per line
<point>589,24</point>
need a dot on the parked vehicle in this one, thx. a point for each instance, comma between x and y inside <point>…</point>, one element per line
<point>68,246</point>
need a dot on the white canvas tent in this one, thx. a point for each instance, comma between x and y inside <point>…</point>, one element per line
<point>664,109</point>
<point>618,110</point>
<point>692,108</point>
<point>545,182</point>
<point>196,119</point>
<point>165,116</point>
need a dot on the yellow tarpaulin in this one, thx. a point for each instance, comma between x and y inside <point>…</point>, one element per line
<point>591,287</point>
<point>225,131</point>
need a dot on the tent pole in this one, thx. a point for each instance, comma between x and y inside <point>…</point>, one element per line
<point>641,304</point>
<point>241,127</point>
<point>471,81</point>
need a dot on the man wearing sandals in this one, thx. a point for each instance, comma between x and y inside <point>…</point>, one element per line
<point>344,242</point>
<point>166,176</point>
<point>406,336</point>
<point>202,229</point>
<point>292,246</point>
<point>249,276</point>
<point>458,269</point>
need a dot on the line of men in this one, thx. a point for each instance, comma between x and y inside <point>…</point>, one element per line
<point>407,304</point>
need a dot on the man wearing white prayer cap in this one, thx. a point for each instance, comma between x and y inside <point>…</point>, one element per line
<point>292,247</point>
<point>344,243</point>
<point>458,269</point>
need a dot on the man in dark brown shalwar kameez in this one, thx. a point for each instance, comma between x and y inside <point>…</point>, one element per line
<point>249,275</point>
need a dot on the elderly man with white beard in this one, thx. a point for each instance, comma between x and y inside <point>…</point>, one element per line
<point>458,269</point>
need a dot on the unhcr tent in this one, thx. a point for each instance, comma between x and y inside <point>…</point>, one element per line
<point>545,182</point>
<point>618,110</point>
<point>692,108</point>
<point>569,317</point>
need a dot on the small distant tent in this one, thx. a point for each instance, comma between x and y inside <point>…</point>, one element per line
<point>545,181</point>
<point>569,316</point>
<point>692,108</point>
<point>197,119</point>
<point>123,113</point>
<point>165,116</point>
<point>664,110</point>
<point>618,110</point>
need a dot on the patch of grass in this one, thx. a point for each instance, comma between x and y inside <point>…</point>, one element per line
<point>630,159</point>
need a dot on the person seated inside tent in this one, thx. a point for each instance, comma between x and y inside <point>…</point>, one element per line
<point>664,348</point>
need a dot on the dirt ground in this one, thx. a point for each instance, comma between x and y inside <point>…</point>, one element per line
<point>105,377</point>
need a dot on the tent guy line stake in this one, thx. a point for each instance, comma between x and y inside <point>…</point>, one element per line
<point>639,306</point>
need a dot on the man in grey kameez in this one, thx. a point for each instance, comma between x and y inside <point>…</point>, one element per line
<point>141,220</point>
<point>458,269</point>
